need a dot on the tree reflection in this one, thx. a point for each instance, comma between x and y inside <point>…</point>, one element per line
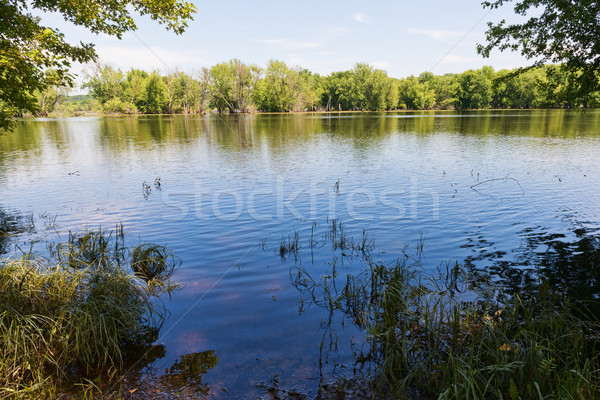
<point>568,263</point>
<point>11,224</point>
<point>183,378</point>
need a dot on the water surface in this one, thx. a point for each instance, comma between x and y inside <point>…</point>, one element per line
<point>480,187</point>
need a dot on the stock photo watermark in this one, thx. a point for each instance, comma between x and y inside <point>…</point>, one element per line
<point>282,200</point>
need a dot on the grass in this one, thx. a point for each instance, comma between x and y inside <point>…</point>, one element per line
<point>431,336</point>
<point>80,315</point>
<point>289,246</point>
<point>428,341</point>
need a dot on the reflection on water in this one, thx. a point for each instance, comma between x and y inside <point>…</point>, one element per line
<point>238,132</point>
<point>13,224</point>
<point>189,369</point>
<point>243,199</point>
<point>569,262</point>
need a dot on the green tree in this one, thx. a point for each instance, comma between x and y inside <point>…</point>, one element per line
<point>445,88</point>
<point>105,83</point>
<point>30,50</point>
<point>361,88</point>
<point>311,89</point>
<point>372,87</point>
<point>474,89</point>
<point>221,86</point>
<point>245,79</point>
<point>200,94</point>
<point>415,93</point>
<point>183,87</point>
<point>339,91</point>
<point>560,32</point>
<point>50,98</point>
<point>516,91</point>
<point>155,94</point>
<point>281,89</point>
<point>134,87</point>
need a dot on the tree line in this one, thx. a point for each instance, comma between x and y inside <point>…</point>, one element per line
<point>235,86</point>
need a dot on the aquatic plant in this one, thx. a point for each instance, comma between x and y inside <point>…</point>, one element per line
<point>146,190</point>
<point>432,336</point>
<point>79,314</point>
<point>289,246</point>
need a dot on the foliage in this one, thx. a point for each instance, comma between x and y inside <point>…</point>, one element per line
<point>416,94</point>
<point>234,86</point>
<point>560,32</point>
<point>149,93</point>
<point>362,88</point>
<point>154,94</point>
<point>79,314</point>
<point>117,106</point>
<point>34,57</point>
<point>474,89</point>
<point>104,82</point>
<point>283,89</point>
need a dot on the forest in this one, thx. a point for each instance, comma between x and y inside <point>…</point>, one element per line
<point>237,87</point>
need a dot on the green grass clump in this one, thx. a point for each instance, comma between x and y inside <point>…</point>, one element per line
<point>80,314</point>
<point>430,340</point>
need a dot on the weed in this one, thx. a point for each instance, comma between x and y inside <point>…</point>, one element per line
<point>146,190</point>
<point>425,338</point>
<point>289,246</point>
<point>80,313</point>
<point>262,243</point>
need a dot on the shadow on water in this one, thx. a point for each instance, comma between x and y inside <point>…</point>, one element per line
<point>273,131</point>
<point>568,262</point>
<point>11,224</point>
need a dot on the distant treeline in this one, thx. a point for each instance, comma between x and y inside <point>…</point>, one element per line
<point>234,86</point>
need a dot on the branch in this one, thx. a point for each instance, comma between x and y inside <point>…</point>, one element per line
<point>499,179</point>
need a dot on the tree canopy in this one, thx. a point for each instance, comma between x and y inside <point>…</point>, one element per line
<point>559,32</point>
<point>34,57</point>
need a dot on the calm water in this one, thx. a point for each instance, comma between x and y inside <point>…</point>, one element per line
<point>477,186</point>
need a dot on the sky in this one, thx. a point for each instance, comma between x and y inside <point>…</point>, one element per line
<point>401,37</point>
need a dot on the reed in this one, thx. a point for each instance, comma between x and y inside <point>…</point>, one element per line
<point>427,341</point>
<point>289,246</point>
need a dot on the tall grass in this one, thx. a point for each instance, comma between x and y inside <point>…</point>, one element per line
<point>83,312</point>
<point>428,341</point>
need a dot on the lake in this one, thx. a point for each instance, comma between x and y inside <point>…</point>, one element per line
<point>496,190</point>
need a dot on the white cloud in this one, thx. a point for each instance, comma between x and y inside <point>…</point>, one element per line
<point>288,44</point>
<point>443,36</point>
<point>452,59</point>
<point>147,58</point>
<point>362,18</point>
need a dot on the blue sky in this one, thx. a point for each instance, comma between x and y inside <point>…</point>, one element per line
<point>402,37</point>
